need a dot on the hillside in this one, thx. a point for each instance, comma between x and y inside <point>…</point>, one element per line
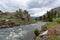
<point>56,9</point>
<point>50,15</point>
<point>18,17</point>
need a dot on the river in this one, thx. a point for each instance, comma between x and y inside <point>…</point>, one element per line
<point>24,32</point>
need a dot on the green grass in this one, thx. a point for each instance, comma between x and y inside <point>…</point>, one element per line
<point>7,19</point>
<point>48,25</point>
<point>58,20</point>
<point>51,24</point>
<point>55,38</point>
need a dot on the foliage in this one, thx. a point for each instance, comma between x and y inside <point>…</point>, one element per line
<point>50,16</point>
<point>58,20</point>
<point>25,11</point>
<point>36,31</point>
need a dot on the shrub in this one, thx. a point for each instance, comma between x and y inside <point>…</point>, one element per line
<point>58,20</point>
<point>36,31</point>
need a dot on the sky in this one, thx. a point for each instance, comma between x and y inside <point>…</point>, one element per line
<point>35,8</point>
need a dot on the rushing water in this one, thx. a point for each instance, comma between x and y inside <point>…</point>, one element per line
<point>24,32</point>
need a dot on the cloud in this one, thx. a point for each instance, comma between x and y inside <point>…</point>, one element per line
<point>36,12</point>
<point>39,3</point>
<point>12,5</point>
<point>40,7</point>
<point>35,7</point>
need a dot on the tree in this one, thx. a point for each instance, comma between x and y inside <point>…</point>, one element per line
<point>55,13</point>
<point>58,15</point>
<point>40,18</point>
<point>44,17</point>
<point>17,11</point>
<point>1,12</point>
<point>51,15</point>
<point>25,11</point>
<point>20,11</point>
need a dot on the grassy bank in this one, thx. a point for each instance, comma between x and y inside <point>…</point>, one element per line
<point>48,25</point>
<point>53,30</point>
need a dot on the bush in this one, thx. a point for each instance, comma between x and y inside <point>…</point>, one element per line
<point>36,31</point>
<point>50,19</point>
<point>58,20</point>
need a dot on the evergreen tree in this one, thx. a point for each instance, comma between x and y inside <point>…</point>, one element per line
<point>49,16</point>
<point>25,11</point>
<point>20,11</point>
<point>58,15</point>
<point>55,13</point>
<point>1,12</point>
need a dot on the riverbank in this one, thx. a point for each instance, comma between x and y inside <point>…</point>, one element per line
<point>53,32</point>
<point>9,24</point>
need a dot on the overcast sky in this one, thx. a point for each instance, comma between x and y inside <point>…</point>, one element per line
<point>35,7</point>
